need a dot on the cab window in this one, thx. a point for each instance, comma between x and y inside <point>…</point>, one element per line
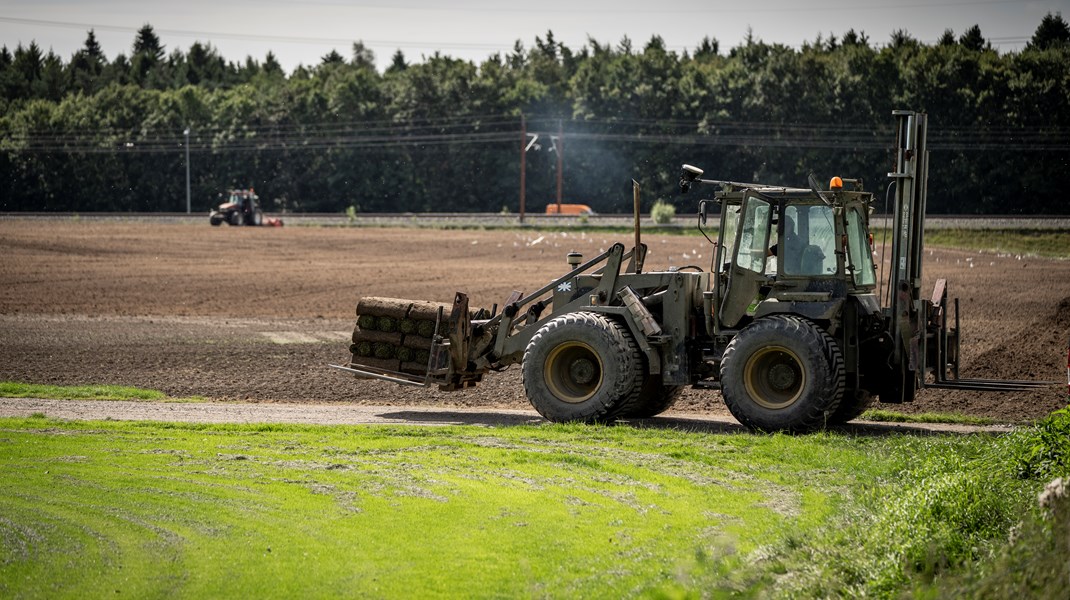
<point>808,242</point>
<point>860,253</point>
<point>729,225</point>
<point>754,236</point>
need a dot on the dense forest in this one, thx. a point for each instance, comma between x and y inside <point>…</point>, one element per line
<point>442,134</point>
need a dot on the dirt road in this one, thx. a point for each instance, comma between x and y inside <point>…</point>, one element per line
<point>257,314</point>
<point>348,414</point>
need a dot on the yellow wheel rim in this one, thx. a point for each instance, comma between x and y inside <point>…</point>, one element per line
<point>774,377</point>
<point>573,372</point>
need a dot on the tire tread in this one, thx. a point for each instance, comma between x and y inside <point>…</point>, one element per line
<point>815,415</point>
<point>623,349</point>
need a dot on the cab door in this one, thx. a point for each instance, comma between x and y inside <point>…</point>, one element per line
<point>746,271</point>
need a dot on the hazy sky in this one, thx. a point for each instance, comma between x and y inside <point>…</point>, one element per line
<point>302,31</point>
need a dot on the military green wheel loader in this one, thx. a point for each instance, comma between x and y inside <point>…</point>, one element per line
<point>793,321</point>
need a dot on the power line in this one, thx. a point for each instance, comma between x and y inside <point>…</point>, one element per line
<point>327,137</point>
<point>294,130</point>
<point>480,121</point>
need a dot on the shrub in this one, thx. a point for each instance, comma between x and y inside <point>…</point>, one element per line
<point>662,212</point>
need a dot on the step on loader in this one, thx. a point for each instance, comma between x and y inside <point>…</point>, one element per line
<point>793,321</point>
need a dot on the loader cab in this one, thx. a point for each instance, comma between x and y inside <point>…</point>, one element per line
<point>790,250</point>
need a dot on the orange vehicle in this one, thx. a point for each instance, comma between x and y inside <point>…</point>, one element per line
<point>568,209</point>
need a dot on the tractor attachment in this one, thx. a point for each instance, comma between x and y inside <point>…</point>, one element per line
<point>943,353</point>
<point>400,341</point>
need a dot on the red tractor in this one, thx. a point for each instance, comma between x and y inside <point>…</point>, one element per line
<point>242,207</point>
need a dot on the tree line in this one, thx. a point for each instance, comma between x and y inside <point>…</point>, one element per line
<point>444,134</point>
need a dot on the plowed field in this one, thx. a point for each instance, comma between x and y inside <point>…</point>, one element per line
<point>257,313</point>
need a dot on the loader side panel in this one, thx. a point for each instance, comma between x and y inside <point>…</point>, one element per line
<point>681,314</point>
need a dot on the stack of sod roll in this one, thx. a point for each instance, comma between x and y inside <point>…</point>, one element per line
<point>395,335</point>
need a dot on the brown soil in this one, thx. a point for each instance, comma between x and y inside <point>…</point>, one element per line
<point>257,314</point>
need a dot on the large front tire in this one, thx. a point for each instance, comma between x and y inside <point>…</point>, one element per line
<point>582,367</point>
<point>782,373</point>
<point>654,399</point>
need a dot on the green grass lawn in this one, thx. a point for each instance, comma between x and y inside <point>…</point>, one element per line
<point>1048,244</point>
<point>891,416</point>
<point>150,510</point>
<point>15,389</point>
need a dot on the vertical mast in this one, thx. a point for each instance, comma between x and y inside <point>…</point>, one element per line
<point>910,180</point>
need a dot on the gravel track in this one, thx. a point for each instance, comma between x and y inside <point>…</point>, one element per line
<point>322,414</point>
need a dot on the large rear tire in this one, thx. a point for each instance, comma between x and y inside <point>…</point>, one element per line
<point>782,373</point>
<point>582,367</point>
<point>853,404</point>
<point>257,218</point>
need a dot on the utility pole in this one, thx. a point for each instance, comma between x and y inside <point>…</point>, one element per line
<point>523,161</point>
<point>186,132</point>
<point>559,147</point>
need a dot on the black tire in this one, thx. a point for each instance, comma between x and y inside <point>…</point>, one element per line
<point>853,404</point>
<point>257,218</point>
<point>215,219</point>
<point>654,399</point>
<point>782,373</point>
<point>582,367</point>
<point>235,218</point>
